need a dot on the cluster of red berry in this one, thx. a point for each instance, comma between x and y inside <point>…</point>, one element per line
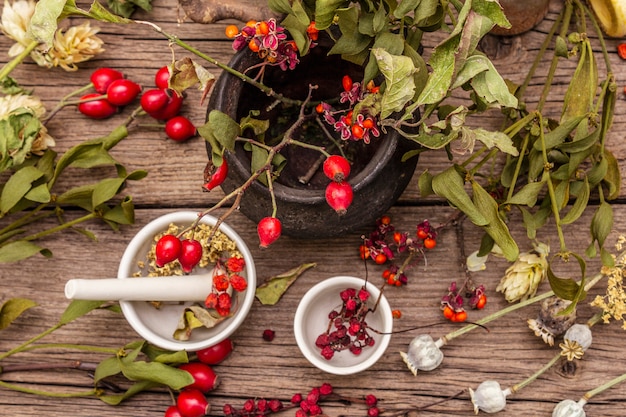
<point>170,248</point>
<point>191,400</point>
<point>113,91</point>
<point>385,244</point>
<point>347,328</point>
<point>225,278</point>
<point>338,192</point>
<point>452,302</point>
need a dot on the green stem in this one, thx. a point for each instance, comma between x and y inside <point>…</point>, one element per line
<point>24,346</point>
<point>534,376</point>
<point>589,394</point>
<point>60,227</point>
<point>25,390</point>
<point>11,65</point>
<point>71,346</point>
<point>500,313</point>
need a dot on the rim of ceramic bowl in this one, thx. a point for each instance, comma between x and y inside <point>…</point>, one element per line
<point>312,353</point>
<point>128,263</point>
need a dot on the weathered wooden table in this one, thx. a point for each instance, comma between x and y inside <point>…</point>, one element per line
<point>509,352</point>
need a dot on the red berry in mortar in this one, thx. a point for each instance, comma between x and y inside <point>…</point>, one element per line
<point>96,109</point>
<point>103,77</point>
<point>122,92</point>
<point>336,168</point>
<point>179,128</point>
<point>339,196</point>
<point>162,78</point>
<point>204,378</point>
<point>268,229</point>
<point>172,411</point>
<point>216,353</point>
<point>153,100</point>
<point>190,254</point>
<point>192,403</point>
<point>168,248</point>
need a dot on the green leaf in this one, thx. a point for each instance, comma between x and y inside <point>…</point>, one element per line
<point>527,195</point>
<point>398,72</point>
<point>78,308</point>
<point>156,372</point>
<point>270,292</point>
<point>43,23</point>
<point>39,194</point>
<point>567,288</point>
<point>601,225</point>
<point>122,213</point>
<point>224,128</point>
<point>325,11</point>
<point>106,368</point>
<point>492,88</point>
<point>496,228</point>
<point>126,8</point>
<point>498,139</point>
<point>559,134</point>
<point>579,98</point>
<point>351,43</point>
<point>579,206</point>
<point>20,249</point>
<point>12,309</point>
<point>613,177</point>
<point>17,186</point>
<point>425,184</point>
<point>450,185</point>
<point>134,389</point>
<point>106,190</point>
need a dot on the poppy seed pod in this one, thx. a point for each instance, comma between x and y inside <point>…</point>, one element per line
<point>423,354</point>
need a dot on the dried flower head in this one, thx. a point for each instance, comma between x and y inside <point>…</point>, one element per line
<point>77,44</point>
<point>489,397</point>
<point>571,350</point>
<point>423,354</point>
<point>568,408</point>
<point>15,20</point>
<point>15,104</point>
<point>613,303</point>
<point>522,279</point>
<point>550,321</point>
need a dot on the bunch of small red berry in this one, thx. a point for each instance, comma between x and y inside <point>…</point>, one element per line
<point>226,277</point>
<point>452,302</point>
<point>385,244</point>
<point>307,405</point>
<point>192,401</point>
<point>347,327</point>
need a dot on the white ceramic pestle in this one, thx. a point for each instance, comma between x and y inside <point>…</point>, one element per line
<point>173,288</point>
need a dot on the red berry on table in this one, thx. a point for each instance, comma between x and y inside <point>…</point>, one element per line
<point>162,78</point>
<point>171,108</point>
<point>459,316</point>
<point>172,411</point>
<point>430,243</point>
<point>103,77</point>
<point>179,128</point>
<point>482,301</point>
<point>269,230</point>
<point>190,254</point>
<point>216,353</point>
<point>336,168</point>
<point>122,92</point>
<point>268,335</point>
<point>204,378</point>
<point>96,109</point>
<point>192,403</point>
<point>167,249</point>
<point>339,196</point>
<point>153,100</point>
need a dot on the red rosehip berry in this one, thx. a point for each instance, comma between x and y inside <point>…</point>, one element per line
<point>172,411</point>
<point>217,177</point>
<point>179,128</point>
<point>96,109</point>
<point>122,92</point>
<point>336,168</point>
<point>269,230</point>
<point>204,378</point>
<point>167,249</point>
<point>162,78</point>
<point>153,100</point>
<point>192,403</point>
<point>103,77</point>
<point>216,353</point>
<point>172,107</point>
<point>339,196</point>
<point>190,254</point>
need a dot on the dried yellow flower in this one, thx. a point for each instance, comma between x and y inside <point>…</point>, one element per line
<point>613,303</point>
<point>522,279</point>
<point>571,350</point>
<point>14,23</point>
<point>77,44</point>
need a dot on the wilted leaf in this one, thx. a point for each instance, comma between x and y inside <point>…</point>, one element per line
<point>578,100</point>
<point>21,249</point>
<point>12,309</point>
<point>449,184</point>
<point>498,139</point>
<point>194,317</point>
<point>398,71</point>
<point>270,292</point>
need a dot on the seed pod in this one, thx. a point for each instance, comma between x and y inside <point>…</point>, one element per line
<point>568,408</point>
<point>489,397</point>
<point>423,354</point>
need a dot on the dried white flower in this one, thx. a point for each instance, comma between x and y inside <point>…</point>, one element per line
<point>14,23</point>
<point>423,354</point>
<point>568,408</point>
<point>489,397</point>
<point>522,279</point>
<point>77,44</point>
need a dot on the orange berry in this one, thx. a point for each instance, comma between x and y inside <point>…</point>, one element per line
<point>254,47</point>
<point>459,316</point>
<point>312,31</point>
<point>380,259</point>
<point>430,243</point>
<point>358,131</point>
<point>422,234</point>
<point>368,123</point>
<point>251,23</point>
<point>386,273</point>
<point>396,314</point>
<point>448,312</point>
<point>482,301</point>
<point>385,220</point>
<point>364,251</point>
<point>397,237</point>
<point>231,31</point>
<point>262,28</point>
<point>319,108</point>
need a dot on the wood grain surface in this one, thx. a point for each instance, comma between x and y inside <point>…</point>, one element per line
<point>507,352</point>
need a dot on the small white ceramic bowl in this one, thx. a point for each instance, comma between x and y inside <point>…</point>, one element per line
<point>157,325</point>
<point>311,320</point>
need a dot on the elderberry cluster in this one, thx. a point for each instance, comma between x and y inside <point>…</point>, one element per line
<point>386,245</point>
<point>347,328</point>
